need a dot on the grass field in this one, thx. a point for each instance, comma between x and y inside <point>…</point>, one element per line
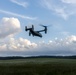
<point>38,66</point>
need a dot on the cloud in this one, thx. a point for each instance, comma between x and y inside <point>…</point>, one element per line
<point>2,47</point>
<point>61,12</point>
<point>19,44</point>
<point>20,3</point>
<point>69,1</point>
<point>25,47</point>
<point>9,26</point>
<point>18,15</point>
<point>65,46</point>
<point>63,8</point>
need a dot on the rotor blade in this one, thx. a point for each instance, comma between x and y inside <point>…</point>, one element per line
<point>45,25</point>
<point>42,25</point>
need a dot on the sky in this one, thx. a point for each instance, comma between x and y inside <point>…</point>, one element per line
<point>61,35</point>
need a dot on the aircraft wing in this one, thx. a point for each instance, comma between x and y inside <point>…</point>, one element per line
<point>40,31</point>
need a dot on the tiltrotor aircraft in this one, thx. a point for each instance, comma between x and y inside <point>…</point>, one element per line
<point>36,33</point>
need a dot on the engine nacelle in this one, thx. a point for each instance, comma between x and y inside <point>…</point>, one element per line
<point>25,28</point>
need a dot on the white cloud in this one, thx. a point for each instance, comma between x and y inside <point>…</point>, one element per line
<point>18,2</point>
<point>9,26</point>
<point>17,15</point>
<point>51,5</point>
<point>69,1</point>
<point>63,8</point>
<point>25,47</point>
<point>3,47</point>
<point>17,45</point>
<point>61,12</point>
<point>72,38</point>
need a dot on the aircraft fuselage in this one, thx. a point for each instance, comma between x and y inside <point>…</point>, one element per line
<point>35,33</point>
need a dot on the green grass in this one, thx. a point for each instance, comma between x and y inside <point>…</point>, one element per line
<point>38,66</point>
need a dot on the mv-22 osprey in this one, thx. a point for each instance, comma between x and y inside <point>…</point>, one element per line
<point>36,33</point>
